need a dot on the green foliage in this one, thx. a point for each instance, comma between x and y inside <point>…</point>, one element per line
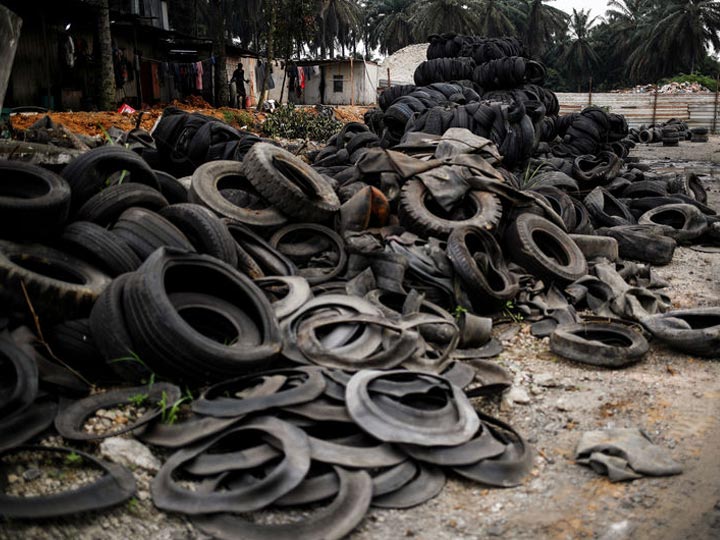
<point>511,312</point>
<point>290,122</point>
<point>708,82</point>
<point>73,459</point>
<point>458,311</point>
<point>170,410</point>
<point>241,119</point>
<point>138,399</point>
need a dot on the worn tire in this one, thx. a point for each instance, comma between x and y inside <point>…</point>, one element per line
<point>418,218</point>
<point>146,231</point>
<point>495,282</point>
<point>58,285</point>
<point>600,344</point>
<point>100,247</point>
<point>210,179</point>
<point>34,202</point>
<point>290,184</point>
<point>204,230</point>
<point>89,173</point>
<point>105,207</point>
<point>544,249</point>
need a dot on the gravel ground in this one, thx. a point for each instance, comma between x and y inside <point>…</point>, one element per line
<point>673,397</point>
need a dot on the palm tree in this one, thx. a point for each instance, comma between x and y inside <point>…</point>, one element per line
<point>543,24</point>
<point>390,27</point>
<point>438,16</point>
<point>580,56</point>
<point>625,20</point>
<point>496,18</point>
<point>336,20</point>
<point>676,36</point>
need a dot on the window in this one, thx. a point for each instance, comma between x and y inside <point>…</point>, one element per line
<point>338,83</point>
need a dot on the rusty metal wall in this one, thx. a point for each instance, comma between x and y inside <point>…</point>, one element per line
<point>698,110</point>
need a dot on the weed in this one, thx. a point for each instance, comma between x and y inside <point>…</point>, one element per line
<point>510,311</point>
<point>73,459</point>
<point>528,179</point>
<point>459,311</point>
<point>133,505</point>
<point>170,411</point>
<point>138,399</point>
<point>293,123</point>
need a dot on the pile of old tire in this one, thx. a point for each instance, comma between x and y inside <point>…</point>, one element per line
<point>589,132</point>
<point>699,135</point>
<point>478,48</point>
<point>345,148</point>
<point>184,141</point>
<point>444,70</point>
<point>509,72</point>
<point>671,136</point>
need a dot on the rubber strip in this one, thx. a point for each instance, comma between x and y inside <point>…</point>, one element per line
<point>183,433</point>
<point>70,420</point>
<point>117,485</point>
<point>367,457</point>
<point>168,495</point>
<point>427,483</point>
<point>302,386</point>
<point>299,293</point>
<point>383,425</point>
<point>508,469</point>
<point>335,521</point>
<point>20,427</point>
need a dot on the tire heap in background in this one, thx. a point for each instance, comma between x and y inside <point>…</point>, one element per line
<point>332,319</point>
<point>670,133</point>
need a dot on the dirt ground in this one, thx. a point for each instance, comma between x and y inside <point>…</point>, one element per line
<point>96,123</point>
<point>673,397</point>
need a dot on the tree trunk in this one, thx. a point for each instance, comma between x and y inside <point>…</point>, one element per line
<point>270,52</point>
<point>222,93</point>
<point>106,77</point>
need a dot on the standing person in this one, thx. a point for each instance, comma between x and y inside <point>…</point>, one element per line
<point>238,77</point>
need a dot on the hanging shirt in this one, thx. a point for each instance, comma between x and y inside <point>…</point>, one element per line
<point>198,75</point>
<point>301,77</point>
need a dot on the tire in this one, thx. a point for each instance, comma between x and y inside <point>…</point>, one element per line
<point>173,345</point>
<point>57,284</point>
<point>290,184</point>
<point>361,140</point>
<point>692,331</point>
<point>644,243</point>
<point>172,190</point>
<point>313,273</point>
<point>210,179</point>
<point>100,247</point>
<point>204,230</point>
<point>609,345</point>
<point>34,202</point>
<point>682,222</point>
<point>72,342</point>
<point>606,211</point>
<point>89,173</point>
<point>494,281</point>
<point>105,207</point>
<point>146,231</point>
<point>418,218</point>
<point>111,335</point>
<point>544,249</point>
<point>256,257</point>
<point>594,246</point>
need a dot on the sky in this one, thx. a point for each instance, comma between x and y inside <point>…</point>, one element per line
<point>598,7</point>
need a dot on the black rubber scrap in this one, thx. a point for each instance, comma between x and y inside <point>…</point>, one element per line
<point>388,420</point>
<point>71,418</point>
<point>600,344</point>
<point>297,386</point>
<point>695,331</point>
<point>287,474</point>
<point>116,486</point>
<point>333,522</point>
